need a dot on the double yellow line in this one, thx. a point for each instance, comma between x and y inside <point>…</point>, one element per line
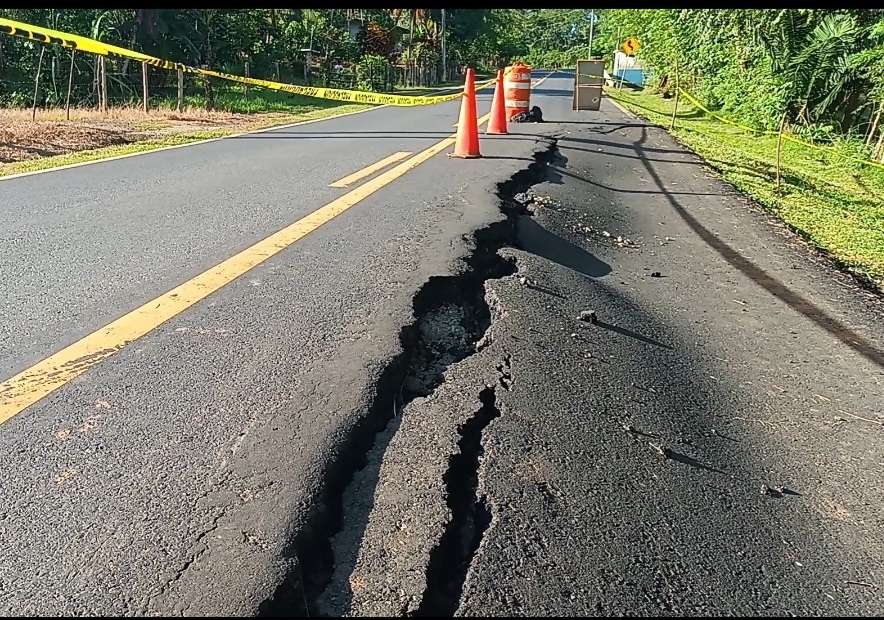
<point>46,376</point>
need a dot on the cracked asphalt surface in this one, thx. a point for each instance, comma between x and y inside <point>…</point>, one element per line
<point>173,477</point>
<point>623,461</point>
<point>711,445</point>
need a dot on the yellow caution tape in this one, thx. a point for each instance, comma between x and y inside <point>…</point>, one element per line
<point>85,44</point>
<point>716,116</point>
<point>786,136</point>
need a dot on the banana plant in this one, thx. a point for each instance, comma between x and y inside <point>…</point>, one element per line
<point>822,65</point>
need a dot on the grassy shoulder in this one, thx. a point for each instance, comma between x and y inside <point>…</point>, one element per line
<point>51,141</point>
<point>835,203</point>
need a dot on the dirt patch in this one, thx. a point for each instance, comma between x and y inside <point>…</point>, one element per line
<point>32,140</point>
<point>50,134</point>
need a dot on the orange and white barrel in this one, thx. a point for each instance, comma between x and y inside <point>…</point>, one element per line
<point>516,89</point>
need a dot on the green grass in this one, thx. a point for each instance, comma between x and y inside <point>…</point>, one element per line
<point>233,99</point>
<point>278,108</point>
<point>33,165</point>
<point>833,202</point>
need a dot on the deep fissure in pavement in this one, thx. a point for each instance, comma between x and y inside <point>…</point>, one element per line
<point>470,517</point>
<point>452,320</point>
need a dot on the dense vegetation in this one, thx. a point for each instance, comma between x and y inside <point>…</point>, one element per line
<point>375,49</point>
<point>833,201</point>
<point>818,71</point>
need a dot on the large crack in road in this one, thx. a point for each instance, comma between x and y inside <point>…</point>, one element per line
<point>452,320</point>
<point>410,519</point>
<point>470,517</point>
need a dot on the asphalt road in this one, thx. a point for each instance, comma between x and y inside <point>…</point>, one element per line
<point>172,477</point>
<point>711,445</point>
<point>722,339</point>
<point>563,467</point>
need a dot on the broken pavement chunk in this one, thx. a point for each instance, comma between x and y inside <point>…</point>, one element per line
<point>780,491</point>
<point>588,316</point>
<point>523,197</point>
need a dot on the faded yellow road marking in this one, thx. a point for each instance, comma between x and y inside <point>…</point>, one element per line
<point>46,376</point>
<point>369,170</point>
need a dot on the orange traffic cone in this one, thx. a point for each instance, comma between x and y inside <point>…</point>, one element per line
<point>497,123</point>
<point>467,142</point>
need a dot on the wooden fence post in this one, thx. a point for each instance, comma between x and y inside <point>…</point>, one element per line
<point>780,148</point>
<point>180,88</point>
<point>37,83</point>
<point>879,147</point>
<point>210,96</point>
<point>67,100</point>
<point>677,91</point>
<point>144,87</point>
<point>874,124</point>
<point>52,73</point>
<point>103,65</point>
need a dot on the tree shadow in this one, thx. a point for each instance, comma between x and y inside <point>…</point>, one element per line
<point>797,302</point>
<point>628,156</point>
<point>619,145</point>
<point>694,113</point>
<point>616,127</point>
<point>294,135</point>
<point>357,135</point>
<point>552,92</point>
<point>631,191</point>
<point>766,172</point>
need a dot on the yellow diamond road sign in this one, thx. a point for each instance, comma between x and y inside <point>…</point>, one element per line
<point>630,46</point>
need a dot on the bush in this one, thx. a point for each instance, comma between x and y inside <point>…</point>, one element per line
<point>815,132</point>
<point>371,73</point>
<point>16,99</point>
<point>755,97</point>
<point>846,151</point>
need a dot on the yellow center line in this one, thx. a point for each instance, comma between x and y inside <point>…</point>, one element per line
<point>369,170</point>
<point>46,376</point>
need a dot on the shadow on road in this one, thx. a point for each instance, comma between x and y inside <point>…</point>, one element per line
<point>534,238</point>
<point>632,334</point>
<point>634,191</point>
<point>691,462</point>
<point>355,135</point>
<point>590,125</point>
<point>552,92</point>
<point>618,145</point>
<point>776,288</point>
<point>695,113</point>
